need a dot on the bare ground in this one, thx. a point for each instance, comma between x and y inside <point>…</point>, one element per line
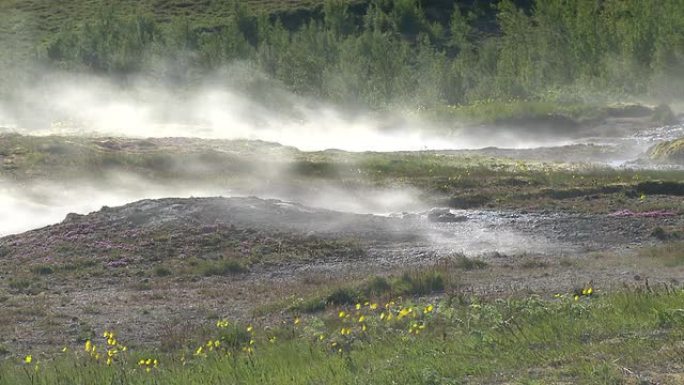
<point>146,268</point>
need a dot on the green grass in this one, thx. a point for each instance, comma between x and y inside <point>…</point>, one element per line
<point>222,268</point>
<point>465,263</point>
<point>409,283</point>
<point>595,340</point>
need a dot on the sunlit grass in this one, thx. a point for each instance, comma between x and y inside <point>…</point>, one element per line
<point>581,337</point>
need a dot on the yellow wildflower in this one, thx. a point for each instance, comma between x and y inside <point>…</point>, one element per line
<point>404,312</point>
<point>222,323</point>
<point>28,359</point>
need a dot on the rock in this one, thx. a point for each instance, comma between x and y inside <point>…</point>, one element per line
<point>72,217</point>
<point>444,215</point>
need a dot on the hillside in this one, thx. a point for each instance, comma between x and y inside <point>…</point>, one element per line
<point>440,54</point>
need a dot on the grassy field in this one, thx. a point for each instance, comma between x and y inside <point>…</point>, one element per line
<point>628,337</point>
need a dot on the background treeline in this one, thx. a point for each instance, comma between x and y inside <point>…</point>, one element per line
<point>402,52</point>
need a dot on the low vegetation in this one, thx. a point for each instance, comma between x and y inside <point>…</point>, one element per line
<point>671,152</point>
<point>380,53</point>
<point>410,283</point>
<point>585,338</point>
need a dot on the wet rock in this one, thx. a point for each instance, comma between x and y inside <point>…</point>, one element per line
<point>444,215</point>
<point>72,217</point>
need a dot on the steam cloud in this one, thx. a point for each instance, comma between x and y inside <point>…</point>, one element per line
<point>247,106</point>
<point>256,108</point>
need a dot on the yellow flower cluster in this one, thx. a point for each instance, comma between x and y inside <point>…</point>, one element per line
<point>222,324</point>
<point>353,324</point>
<point>148,364</point>
<point>587,291</point>
<point>112,348</point>
<point>219,344</point>
<point>416,328</point>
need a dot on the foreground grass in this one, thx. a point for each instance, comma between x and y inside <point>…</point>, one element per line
<point>583,338</point>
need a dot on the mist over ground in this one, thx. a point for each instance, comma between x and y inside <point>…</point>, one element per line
<point>237,104</point>
<point>72,104</point>
<point>90,106</point>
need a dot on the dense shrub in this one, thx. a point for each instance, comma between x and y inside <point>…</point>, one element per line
<point>396,53</point>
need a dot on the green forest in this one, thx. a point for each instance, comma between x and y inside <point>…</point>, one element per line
<point>393,52</point>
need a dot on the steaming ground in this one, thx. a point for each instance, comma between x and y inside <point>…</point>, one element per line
<point>247,107</point>
<point>62,105</point>
<point>26,207</point>
<point>33,205</point>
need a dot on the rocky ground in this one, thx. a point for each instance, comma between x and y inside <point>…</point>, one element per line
<point>154,266</point>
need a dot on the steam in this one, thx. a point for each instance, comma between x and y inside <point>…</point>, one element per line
<point>28,206</point>
<point>25,207</point>
<point>245,106</point>
<point>256,108</point>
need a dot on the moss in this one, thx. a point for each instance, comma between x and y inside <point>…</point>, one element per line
<point>668,152</point>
